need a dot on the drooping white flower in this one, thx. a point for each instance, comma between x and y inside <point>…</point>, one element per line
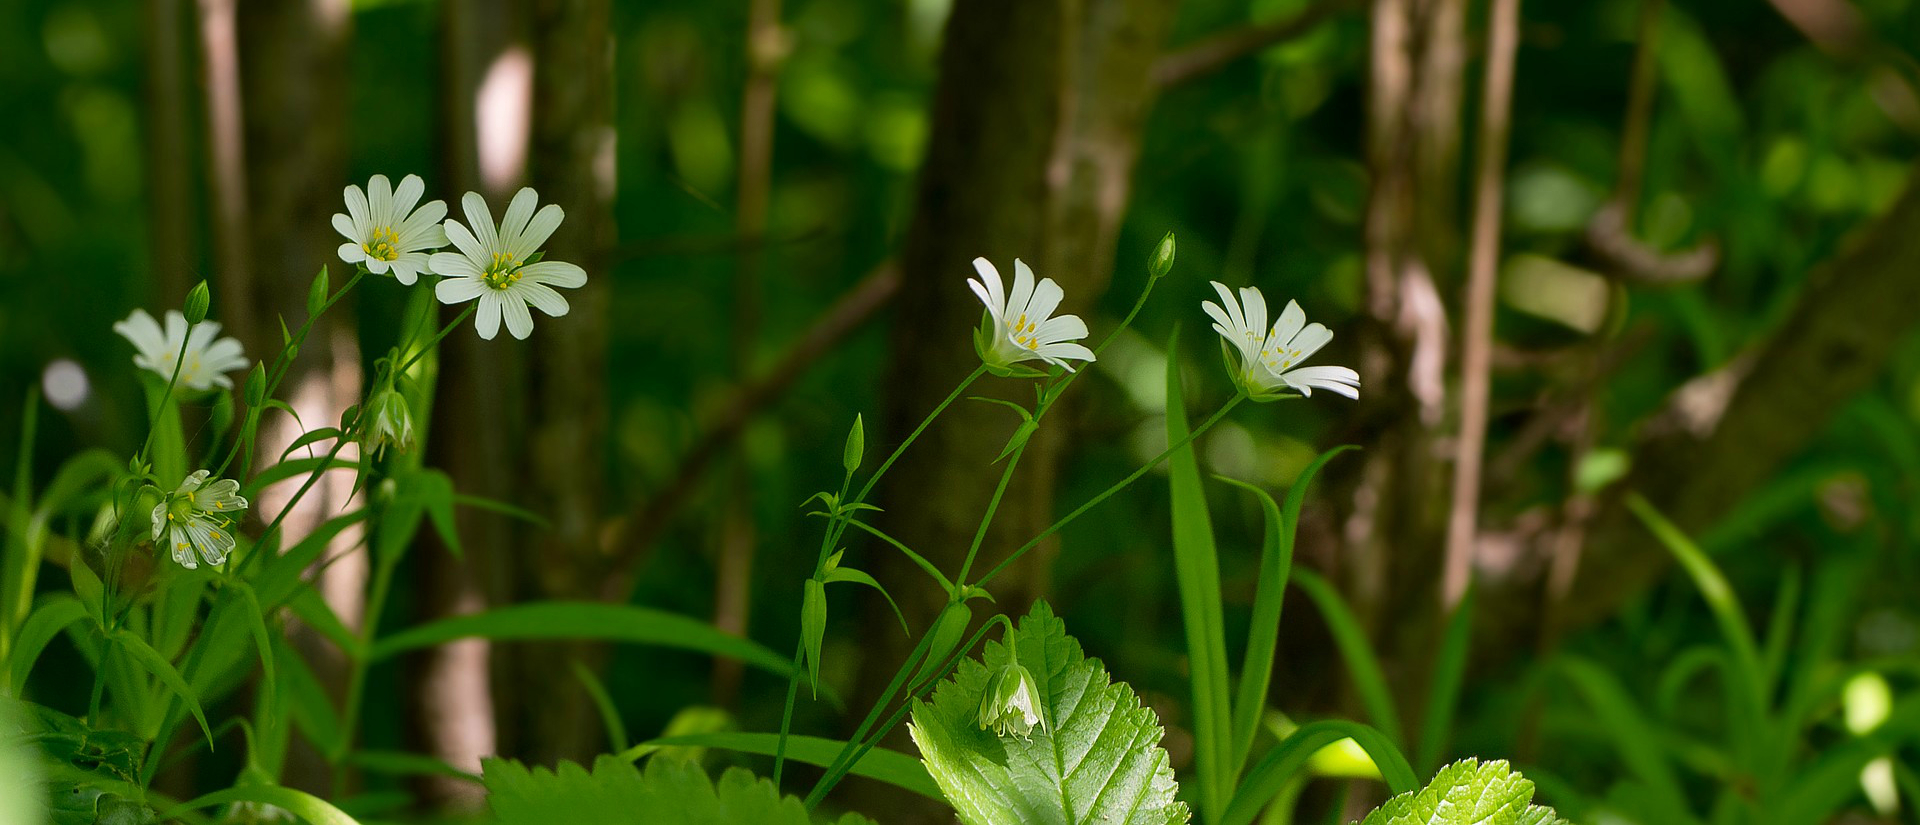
<point>1019,327</point>
<point>208,357</point>
<point>385,233</point>
<point>1264,361</point>
<point>197,520</point>
<point>390,423</point>
<point>1010,705</point>
<point>492,265</point>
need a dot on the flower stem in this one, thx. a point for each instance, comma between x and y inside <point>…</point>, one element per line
<point>278,372</point>
<point>179,358</point>
<point>1108,493</point>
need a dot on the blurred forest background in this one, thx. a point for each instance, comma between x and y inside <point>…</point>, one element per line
<point>1573,249</point>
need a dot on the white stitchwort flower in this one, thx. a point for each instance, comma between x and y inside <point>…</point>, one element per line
<point>198,519</point>
<point>1018,327</point>
<point>1264,360</point>
<point>1010,705</point>
<point>492,265</point>
<point>385,233</point>
<point>208,357</point>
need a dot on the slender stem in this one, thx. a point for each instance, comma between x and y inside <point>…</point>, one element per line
<point>897,545</point>
<point>786,715</point>
<point>920,651</point>
<point>986,520</point>
<point>357,667</point>
<point>179,358</point>
<point>1117,487</point>
<point>281,364</point>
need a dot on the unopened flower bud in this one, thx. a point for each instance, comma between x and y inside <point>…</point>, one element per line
<point>1161,262</point>
<point>389,422</point>
<point>198,299</point>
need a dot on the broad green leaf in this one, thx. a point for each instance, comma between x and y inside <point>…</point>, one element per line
<point>53,615</point>
<point>669,790</point>
<point>1469,792</point>
<point>889,766</point>
<point>1196,563</point>
<point>307,807</point>
<point>585,620</point>
<point>1098,760</point>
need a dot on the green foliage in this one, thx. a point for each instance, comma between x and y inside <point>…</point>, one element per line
<point>669,790</point>
<point>1098,761</point>
<point>1468,792</point>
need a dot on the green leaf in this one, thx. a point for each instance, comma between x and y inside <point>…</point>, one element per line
<point>1293,754</point>
<point>1098,761</point>
<point>399,763</point>
<point>1469,792</point>
<point>54,614</point>
<point>813,628</point>
<point>1449,672</point>
<point>1196,563</point>
<point>299,803</point>
<point>585,620</point>
<point>1716,590</point>
<point>948,629</point>
<point>889,766</point>
<point>1362,665</point>
<point>154,663</point>
<point>609,713</point>
<point>848,574</point>
<point>307,702</point>
<point>670,790</point>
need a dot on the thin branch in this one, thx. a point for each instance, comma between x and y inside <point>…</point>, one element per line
<point>1477,350</point>
<point>1216,52</point>
<point>630,539</point>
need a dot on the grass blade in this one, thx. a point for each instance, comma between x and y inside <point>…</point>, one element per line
<point>1362,665</point>
<point>1291,755</point>
<point>310,808</point>
<point>1197,567</point>
<point>1449,670</point>
<point>45,622</point>
<point>156,664</point>
<point>1715,589</point>
<point>889,766</point>
<point>609,714</point>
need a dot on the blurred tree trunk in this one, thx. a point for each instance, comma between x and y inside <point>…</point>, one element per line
<point>486,82</point>
<point>1036,127</point>
<point>277,81</point>
<point>172,257</point>
<point>572,160</point>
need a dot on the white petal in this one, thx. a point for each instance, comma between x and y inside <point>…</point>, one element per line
<point>480,221</point>
<point>1222,323</point>
<point>1055,352</point>
<point>1235,321</point>
<point>1308,342</point>
<point>1254,305</point>
<point>1046,298</point>
<point>143,332</point>
<point>473,247</point>
<point>1284,330</point>
<point>406,268</point>
<point>542,297</point>
<point>514,225</point>
<point>538,230</point>
<point>1063,328</point>
<point>555,273</point>
<point>376,266</point>
<point>457,289</point>
<point>380,201</point>
<point>351,253</point>
<point>519,320</point>
<point>1333,379</point>
<point>344,225</point>
<point>408,194</point>
<point>996,297</point>
<point>453,264</point>
<point>357,208</point>
<point>1022,293</point>
<point>487,320</point>
<point>425,223</point>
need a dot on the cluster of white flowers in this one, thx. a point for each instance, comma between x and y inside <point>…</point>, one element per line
<point>1020,326</point>
<point>500,266</point>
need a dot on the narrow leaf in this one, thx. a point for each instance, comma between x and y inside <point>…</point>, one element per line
<point>1362,665</point>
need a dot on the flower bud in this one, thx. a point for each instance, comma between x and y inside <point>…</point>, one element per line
<point>1161,262</point>
<point>197,302</point>
<point>318,293</point>
<point>856,446</point>
<point>389,422</point>
<point>257,385</point>
<point>1011,704</point>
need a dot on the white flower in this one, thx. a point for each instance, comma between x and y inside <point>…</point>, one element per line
<point>1010,705</point>
<point>1018,327</point>
<point>198,519</point>
<point>493,265</point>
<point>385,233</point>
<point>1265,363</point>
<point>208,357</point>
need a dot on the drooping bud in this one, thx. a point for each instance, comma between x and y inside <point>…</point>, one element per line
<point>1161,262</point>
<point>1011,704</point>
<point>389,423</point>
<point>198,299</point>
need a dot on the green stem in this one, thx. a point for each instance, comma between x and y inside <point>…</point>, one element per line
<point>357,668</point>
<point>278,373</point>
<point>986,519</point>
<point>847,756</point>
<point>916,557</point>
<point>166,395</point>
<point>1108,493</point>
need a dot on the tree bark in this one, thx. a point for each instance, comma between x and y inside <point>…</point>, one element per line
<point>172,256</point>
<point>1036,127</point>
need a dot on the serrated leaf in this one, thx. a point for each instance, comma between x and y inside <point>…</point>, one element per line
<point>1468,792</point>
<point>1100,760</point>
<point>669,790</point>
